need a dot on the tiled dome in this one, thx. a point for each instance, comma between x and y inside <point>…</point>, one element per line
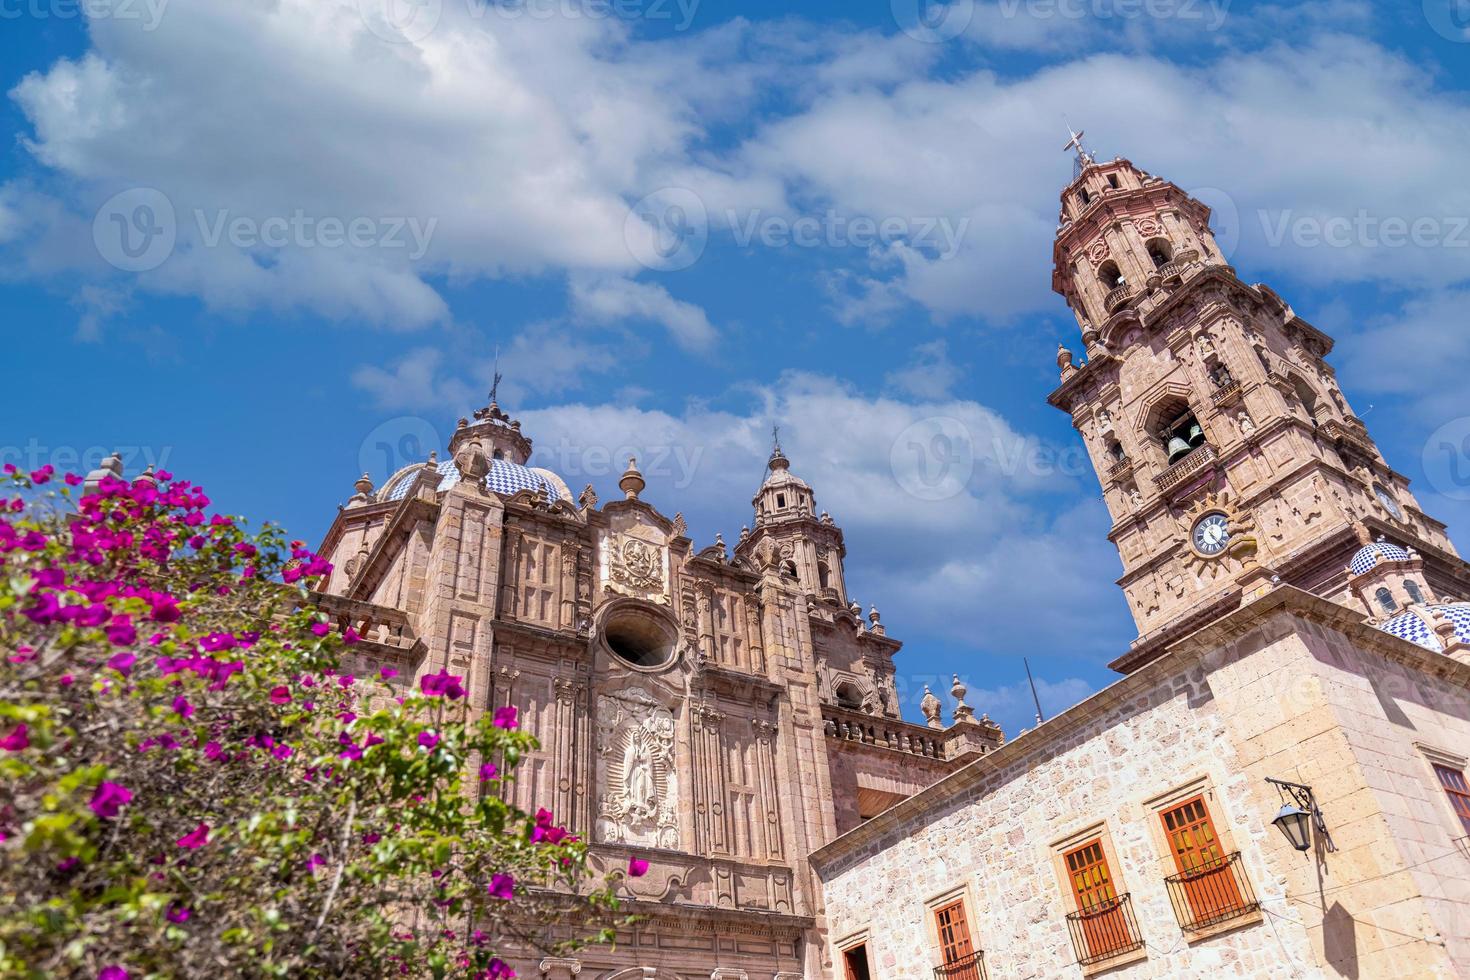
<point>1371,554</point>
<point>1412,626</point>
<point>505,478</point>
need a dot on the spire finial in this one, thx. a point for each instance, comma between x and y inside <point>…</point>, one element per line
<point>775,439</point>
<point>1084,159</point>
<point>495,382</point>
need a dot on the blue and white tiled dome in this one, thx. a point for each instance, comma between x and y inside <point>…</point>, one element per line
<point>505,478</point>
<point>1371,554</point>
<point>1412,626</point>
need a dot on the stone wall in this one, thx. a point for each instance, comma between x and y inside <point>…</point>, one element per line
<point>1292,687</point>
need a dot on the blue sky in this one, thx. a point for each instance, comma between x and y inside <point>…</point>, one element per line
<point>852,210</point>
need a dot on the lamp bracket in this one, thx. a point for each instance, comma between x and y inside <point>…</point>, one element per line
<point>1301,795</point>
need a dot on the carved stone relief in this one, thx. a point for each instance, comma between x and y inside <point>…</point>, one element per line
<point>637,784</point>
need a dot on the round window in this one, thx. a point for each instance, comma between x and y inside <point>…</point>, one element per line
<point>639,638</point>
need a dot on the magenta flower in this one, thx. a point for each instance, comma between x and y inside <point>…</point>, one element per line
<point>488,771</point>
<point>320,629</point>
<point>506,717</point>
<point>387,672</point>
<point>637,867</point>
<point>112,973</point>
<point>182,706</point>
<point>502,887</point>
<point>213,751</point>
<point>177,914</point>
<point>121,632</point>
<point>123,662</point>
<point>349,636</point>
<point>346,680</point>
<point>280,694</point>
<point>442,684</point>
<point>282,751</point>
<point>499,970</point>
<point>109,798</point>
<point>428,740</point>
<point>16,740</point>
<point>195,838</point>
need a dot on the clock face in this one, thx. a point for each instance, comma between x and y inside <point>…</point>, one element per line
<point>1211,534</point>
<point>1389,503</point>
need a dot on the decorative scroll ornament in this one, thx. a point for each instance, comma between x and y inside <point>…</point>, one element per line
<point>634,566</point>
<point>1148,227</point>
<point>1098,252</point>
<point>638,802</point>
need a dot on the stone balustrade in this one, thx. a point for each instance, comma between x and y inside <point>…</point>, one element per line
<point>888,733</point>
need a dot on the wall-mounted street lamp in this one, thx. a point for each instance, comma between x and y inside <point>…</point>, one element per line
<point>1299,809</point>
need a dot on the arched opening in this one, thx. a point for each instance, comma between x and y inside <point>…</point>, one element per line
<point>1307,397</point>
<point>1178,431</point>
<point>1084,196</point>
<point>1385,599</point>
<point>1115,451</point>
<point>1416,596</point>
<point>788,569</point>
<point>1110,275</point>
<point>1160,252</point>
<point>849,696</point>
<point>824,575</point>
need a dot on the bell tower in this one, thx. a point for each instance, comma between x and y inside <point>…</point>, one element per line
<point>809,545</point>
<point>1228,455</point>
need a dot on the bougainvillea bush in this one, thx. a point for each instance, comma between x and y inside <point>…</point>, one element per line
<point>190,785</point>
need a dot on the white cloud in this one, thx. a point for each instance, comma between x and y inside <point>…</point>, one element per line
<point>613,299</point>
<point>929,374</point>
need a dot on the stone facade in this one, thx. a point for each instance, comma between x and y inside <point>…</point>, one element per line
<point>720,714</point>
<point>1291,687</point>
<point>1301,647</point>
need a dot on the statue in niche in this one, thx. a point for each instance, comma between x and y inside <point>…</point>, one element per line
<point>638,787</point>
<point>1246,423</point>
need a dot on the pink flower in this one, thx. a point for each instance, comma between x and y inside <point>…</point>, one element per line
<point>499,970</point>
<point>280,694</point>
<point>123,662</point>
<point>346,680</point>
<point>109,798</point>
<point>506,717</point>
<point>314,862</point>
<point>502,887</point>
<point>349,636</point>
<point>442,684</point>
<point>213,751</point>
<point>428,740</point>
<point>177,914</point>
<point>120,632</point>
<point>195,838</point>
<point>16,740</point>
<point>637,867</point>
<point>488,771</point>
<point>320,629</point>
<point>387,672</point>
<point>112,973</point>
<point>182,706</point>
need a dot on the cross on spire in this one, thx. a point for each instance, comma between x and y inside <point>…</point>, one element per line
<point>495,384</point>
<point>776,438</point>
<point>1084,159</point>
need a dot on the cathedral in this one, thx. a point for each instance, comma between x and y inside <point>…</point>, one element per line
<point>1275,785</point>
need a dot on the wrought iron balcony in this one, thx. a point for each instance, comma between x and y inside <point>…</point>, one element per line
<point>970,967</point>
<point>1105,930</point>
<point>1211,893</point>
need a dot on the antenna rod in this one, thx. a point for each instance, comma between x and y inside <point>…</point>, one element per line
<point>1040,718</point>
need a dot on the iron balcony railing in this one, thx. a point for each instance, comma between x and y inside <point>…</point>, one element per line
<point>1211,893</point>
<point>970,967</point>
<point>1104,930</point>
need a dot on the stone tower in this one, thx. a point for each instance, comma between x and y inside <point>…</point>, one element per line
<point>1228,454</point>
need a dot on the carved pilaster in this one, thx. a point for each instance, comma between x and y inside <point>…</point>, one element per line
<point>765,744</point>
<point>566,745</point>
<point>584,589</point>
<point>559,967</point>
<point>510,573</point>
<point>753,634</point>
<point>568,590</point>
<point>711,836</point>
<point>704,600</point>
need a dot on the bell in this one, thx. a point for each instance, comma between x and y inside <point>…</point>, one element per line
<point>1178,449</point>
<point>1196,435</point>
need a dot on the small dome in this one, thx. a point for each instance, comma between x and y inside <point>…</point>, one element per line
<point>505,478</point>
<point>1415,628</point>
<point>1371,554</point>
